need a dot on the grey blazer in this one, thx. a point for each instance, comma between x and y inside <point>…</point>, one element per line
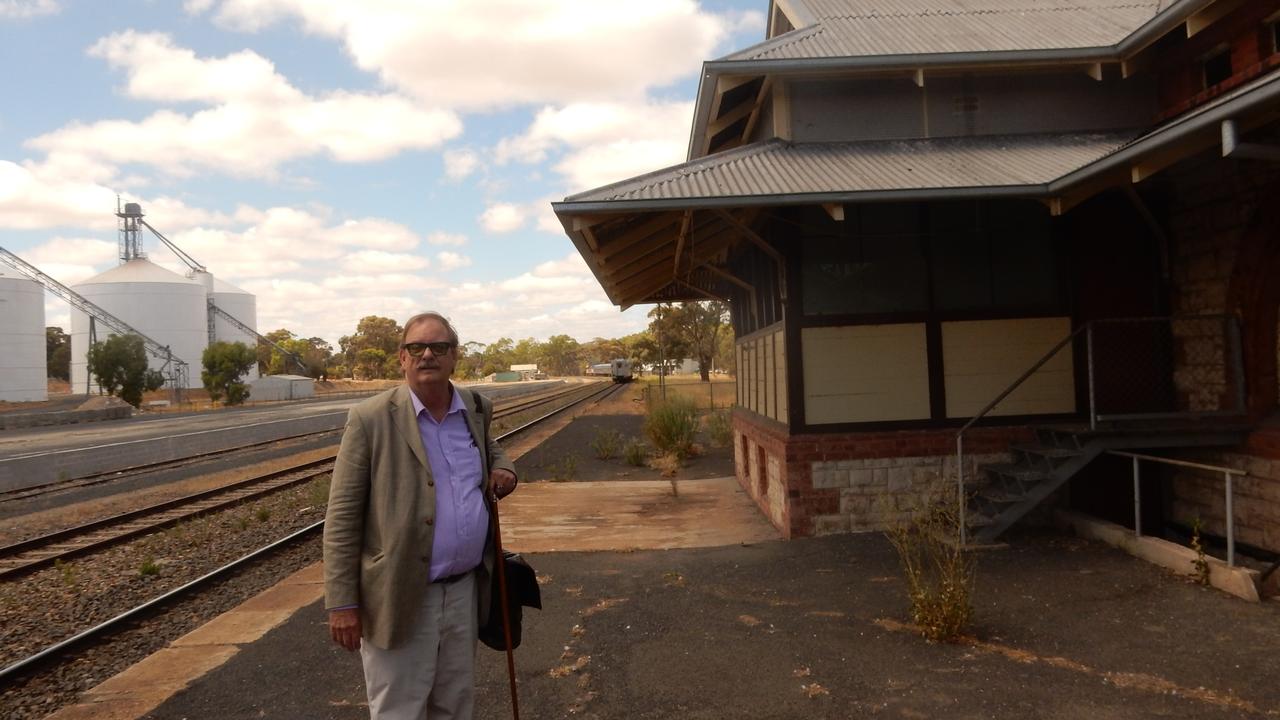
<point>382,502</point>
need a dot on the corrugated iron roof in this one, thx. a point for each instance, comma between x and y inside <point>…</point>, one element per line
<point>777,167</point>
<point>872,28</point>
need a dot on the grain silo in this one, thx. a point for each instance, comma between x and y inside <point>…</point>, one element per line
<point>241,305</point>
<point>166,307</point>
<point>22,363</point>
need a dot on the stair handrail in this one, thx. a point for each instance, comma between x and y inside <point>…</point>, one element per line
<point>960,497</point>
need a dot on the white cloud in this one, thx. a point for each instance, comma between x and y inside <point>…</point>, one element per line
<point>374,233</point>
<point>458,164</point>
<point>501,53</point>
<point>256,121</point>
<point>33,196</point>
<point>602,143</point>
<point>22,9</point>
<point>444,238</point>
<point>63,193</point>
<point>452,261</point>
<point>571,264</point>
<point>502,218</point>
<point>377,261</point>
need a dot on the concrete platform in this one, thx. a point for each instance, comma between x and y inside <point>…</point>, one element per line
<point>716,625</point>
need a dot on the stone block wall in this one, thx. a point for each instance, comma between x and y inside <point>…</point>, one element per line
<point>818,484</point>
<point>1255,496</point>
<point>1223,257</point>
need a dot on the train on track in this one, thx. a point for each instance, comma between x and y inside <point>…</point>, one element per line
<point>619,369</point>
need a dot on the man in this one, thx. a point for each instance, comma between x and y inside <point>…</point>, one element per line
<point>407,547</point>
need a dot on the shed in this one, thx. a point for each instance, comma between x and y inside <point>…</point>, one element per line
<point>281,387</point>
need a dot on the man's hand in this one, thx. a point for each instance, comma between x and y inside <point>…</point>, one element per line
<point>503,482</point>
<point>344,627</point>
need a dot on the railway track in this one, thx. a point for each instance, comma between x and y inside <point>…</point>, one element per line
<point>501,410</point>
<point>63,545</point>
<point>93,537</point>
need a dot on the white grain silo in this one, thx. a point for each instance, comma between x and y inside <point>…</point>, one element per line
<point>160,304</point>
<point>22,363</point>
<point>242,306</point>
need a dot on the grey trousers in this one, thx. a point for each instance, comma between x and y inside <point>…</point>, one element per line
<point>432,676</point>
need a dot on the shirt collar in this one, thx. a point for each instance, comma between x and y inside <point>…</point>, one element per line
<point>455,405</point>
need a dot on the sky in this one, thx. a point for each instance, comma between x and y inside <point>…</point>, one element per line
<point>341,159</point>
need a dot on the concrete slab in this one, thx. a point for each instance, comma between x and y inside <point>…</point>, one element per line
<point>609,515</point>
<point>1238,581</point>
<point>541,517</point>
<point>146,685</point>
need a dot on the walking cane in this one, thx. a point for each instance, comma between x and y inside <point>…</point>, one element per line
<point>501,564</point>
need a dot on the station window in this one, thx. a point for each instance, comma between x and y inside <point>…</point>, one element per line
<point>1216,66</point>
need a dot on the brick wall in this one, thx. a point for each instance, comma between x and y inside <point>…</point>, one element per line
<point>1224,255</point>
<point>818,484</point>
<point>1181,84</point>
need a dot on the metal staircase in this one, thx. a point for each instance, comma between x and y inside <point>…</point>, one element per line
<point>999,494</point>
<point>1006,492</point>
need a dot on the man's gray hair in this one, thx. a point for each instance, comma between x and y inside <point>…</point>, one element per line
<point>430,315</point>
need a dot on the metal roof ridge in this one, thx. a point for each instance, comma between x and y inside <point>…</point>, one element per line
<point>1160,23</point>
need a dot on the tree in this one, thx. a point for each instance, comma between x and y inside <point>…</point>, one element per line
<point>470,360</point>
<point>120,365</point>
<point>668,333</point>
<point>699,324</point>
<point>224,364</point>
<point>57,353</point>
<point>690,330</point>
<point>526,352</point>
<point>727,352</point>
<point>560,356</point>
<point>372,333</point>
<point>370,363</point>
<point>497,356</point>
<point>598,350</point>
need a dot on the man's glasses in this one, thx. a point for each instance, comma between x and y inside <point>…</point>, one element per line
<point>438,349</point>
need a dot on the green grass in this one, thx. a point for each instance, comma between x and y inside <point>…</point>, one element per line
<point>671,426</point>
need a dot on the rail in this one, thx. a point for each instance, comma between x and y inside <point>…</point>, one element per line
<point>1227,474</point>
<point>1192,338</point>
<point>52,652</point>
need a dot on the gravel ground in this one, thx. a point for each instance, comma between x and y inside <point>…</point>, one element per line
<point>572,454</point>
<point>45,607</point>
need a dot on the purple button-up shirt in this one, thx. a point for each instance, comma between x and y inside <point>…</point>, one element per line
<point>462,520</point>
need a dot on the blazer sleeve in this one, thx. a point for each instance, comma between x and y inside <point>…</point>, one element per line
<point>345,516</point>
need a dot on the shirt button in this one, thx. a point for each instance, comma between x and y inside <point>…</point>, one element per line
<point>431,483</point>
<point>430,521</point>
<point>426,558</point>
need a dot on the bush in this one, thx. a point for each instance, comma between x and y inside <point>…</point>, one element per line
<point>634,452</point>
<point>719,428</point>
<point>120,365</point>
<point>939,574</point>
<point>671,425</point>
<point>224,364</point>
<point>606,443</point>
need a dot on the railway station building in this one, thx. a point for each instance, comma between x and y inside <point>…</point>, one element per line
<point>917,206</point>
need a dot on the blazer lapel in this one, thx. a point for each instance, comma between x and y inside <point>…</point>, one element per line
<point>406,423</point>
